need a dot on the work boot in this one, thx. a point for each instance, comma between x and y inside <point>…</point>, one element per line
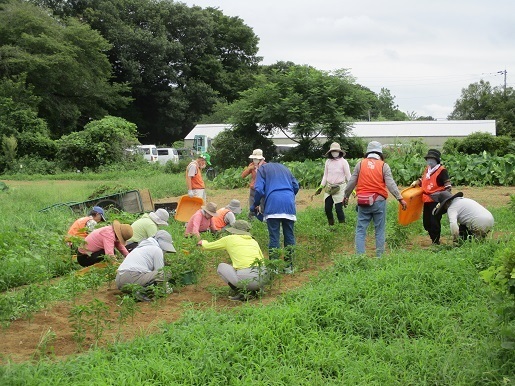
<point>331,221</point>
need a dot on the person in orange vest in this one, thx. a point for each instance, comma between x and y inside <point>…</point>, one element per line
<point>226,215</point>
<point>372,179</point>
<point>435,179</point>
<point>194,180</point>
<point>85,225</point>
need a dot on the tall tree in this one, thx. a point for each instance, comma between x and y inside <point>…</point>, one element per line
<point>482,101</point>
<point>64,62</point>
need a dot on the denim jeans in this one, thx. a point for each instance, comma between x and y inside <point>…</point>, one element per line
<point>376,212</point>
<point>274,234</point>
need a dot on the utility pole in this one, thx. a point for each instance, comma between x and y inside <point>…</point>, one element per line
<point>503,72</point>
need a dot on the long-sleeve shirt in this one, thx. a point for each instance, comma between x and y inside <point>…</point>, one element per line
<point>199,223</point>
<point>147,257</point>
<point>103,239</point>
<point>252,170</point>
<point>387,175</point>
<point>336,171</point>
<point>243,250</point>
<point>471,214</point>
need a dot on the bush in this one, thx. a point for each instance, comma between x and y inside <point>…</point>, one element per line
<point>478,142</point>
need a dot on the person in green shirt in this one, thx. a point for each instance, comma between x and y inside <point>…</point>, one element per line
<point>247,274</point>
<point>147,226</point>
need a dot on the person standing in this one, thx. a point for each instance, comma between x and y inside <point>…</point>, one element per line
<point>251,170</point>
<point>226,215</point>
<point>372,179</point>
<point>435,179</point>
<point>336,175</point>
<point>144,264</point>
<point>201,221</point>
<point>194,180</point>
<point>103,241</point>
<point>247,272</point>
<point>467,218</point>
<point>277,185</point>
<point>147,226</point>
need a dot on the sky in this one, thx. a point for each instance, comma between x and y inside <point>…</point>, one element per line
<point>424,52</point>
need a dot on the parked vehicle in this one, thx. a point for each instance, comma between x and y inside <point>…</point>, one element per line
<point>166,154</point>
<point>149,152</point>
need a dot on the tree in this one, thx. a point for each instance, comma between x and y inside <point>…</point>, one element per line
<point>385,108</point>
<point>64,62</point>
<point>482,101</point>
<point>303,103</point>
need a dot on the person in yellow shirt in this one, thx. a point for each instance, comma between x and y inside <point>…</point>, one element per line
<point>247,275</point>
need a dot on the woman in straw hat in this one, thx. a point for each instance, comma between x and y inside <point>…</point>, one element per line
<point>147,226</point>
<point>336,175</point>
<point>201,221</point>
<point>103,241</point>
<point>257,161</point>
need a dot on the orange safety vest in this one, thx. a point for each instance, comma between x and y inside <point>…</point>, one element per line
<point>78,228</point>
<point>371,179</point>
<point>430,186</point>
<point>196,181</point>
<point>218,221</point>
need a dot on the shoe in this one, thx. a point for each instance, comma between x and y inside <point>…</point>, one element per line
<point>331,221</point>
<point>141,297</point>
<point>289,270</point>
<point>169,289</point>
<point>238,298</point>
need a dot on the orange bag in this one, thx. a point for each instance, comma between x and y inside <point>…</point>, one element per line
<point>413,198</point>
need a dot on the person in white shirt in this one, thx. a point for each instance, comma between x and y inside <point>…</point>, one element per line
<point>467,218</point>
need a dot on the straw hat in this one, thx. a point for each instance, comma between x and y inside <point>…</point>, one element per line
<point>443,198</point>
<point>160,216</point>
<point>210,208</point>
<point>335,146</point>
<point>123,232</point>
<point>240,227</point>
<point>164,239</point>
<point>257,153</point>
<point>234,206</point>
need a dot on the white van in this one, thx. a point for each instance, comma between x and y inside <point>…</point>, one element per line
<point>167,154</point>
<point>149,152</point>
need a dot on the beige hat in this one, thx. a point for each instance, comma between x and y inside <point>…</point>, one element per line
<point>240,227</point>
<point>160,216</point>
<point>234,206</point>
<point>257,153</point>
<point>210,208</point>
<point>335,146</point>
<point>123,232</point>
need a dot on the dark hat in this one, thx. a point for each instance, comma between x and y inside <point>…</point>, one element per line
<point>443,198</point>
<point>433,153</point>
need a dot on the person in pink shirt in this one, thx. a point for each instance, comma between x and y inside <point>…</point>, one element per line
<point>201,221</point>
<point>103,241</point>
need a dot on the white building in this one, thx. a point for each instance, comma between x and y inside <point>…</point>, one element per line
<point>433,133</point>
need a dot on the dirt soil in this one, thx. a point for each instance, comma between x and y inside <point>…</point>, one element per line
<point>21,338</point>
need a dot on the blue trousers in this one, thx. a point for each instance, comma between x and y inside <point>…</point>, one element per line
<point>274,234</point>
<point>377,213</point>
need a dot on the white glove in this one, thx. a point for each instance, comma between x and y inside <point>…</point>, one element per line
<point>190,193</point>
<point>414,184</point>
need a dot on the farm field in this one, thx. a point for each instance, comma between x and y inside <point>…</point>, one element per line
<point>50,332</point>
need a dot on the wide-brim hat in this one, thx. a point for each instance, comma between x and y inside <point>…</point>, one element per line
<point>257,153</point>
<point>374,147</point>
<point>164,239</point>
<point>443,198</point>
<point>234,206</point>
<point>240,227</point>
<point>210,208</point>
<point>433,153</point>
<point>123,232</point>
<point>160,216</point>
<point>335,146</point>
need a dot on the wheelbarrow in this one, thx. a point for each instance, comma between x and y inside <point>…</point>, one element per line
<point>187,206</point>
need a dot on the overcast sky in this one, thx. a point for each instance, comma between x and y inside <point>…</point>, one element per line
<point>425,52</point>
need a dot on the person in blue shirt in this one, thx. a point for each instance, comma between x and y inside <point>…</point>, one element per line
<point>277,185</point>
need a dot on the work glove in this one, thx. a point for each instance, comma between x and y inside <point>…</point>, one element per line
<point>415,183</point>
<point>190,193</point>
<point>319,190</point>
<point>345,202</point>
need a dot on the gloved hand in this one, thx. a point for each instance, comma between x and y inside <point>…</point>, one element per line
<point>319,190</point>
<point>354,193</point>
<point>345,202</point>
<point>415,183</point>
<point>190,193</point>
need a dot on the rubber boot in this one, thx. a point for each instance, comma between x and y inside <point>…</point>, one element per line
<point>331,221</point>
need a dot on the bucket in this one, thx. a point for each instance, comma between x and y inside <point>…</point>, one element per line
<point>187,207</point>
<point>413,198</point>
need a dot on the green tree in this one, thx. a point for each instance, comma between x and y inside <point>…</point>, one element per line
<point>482,101</point>
<point>385,108</point>
<point>63,61</point>
<point>303,103</point>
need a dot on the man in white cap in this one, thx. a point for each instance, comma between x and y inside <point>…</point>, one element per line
<point>247,274</point>
<point>372,179</point>
<point>257,161</point>
<point>226,215</point>
<point>144,264</point>
<point>147,226</point>
<point>467,218</point>
<point>194,181</point>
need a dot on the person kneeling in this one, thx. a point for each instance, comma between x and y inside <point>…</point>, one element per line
<point>247,275</point>
<point>144,264</point>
